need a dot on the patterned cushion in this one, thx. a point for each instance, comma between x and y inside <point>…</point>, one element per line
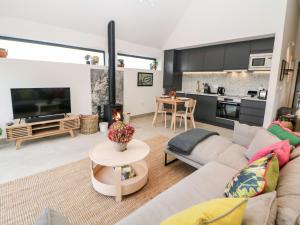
<point>214,212</point>
<point>261,176</point>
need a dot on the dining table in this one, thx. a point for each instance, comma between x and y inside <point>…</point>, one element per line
<point>174,102</point>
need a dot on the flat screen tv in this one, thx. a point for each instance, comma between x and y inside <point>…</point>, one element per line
<point>35,102</point>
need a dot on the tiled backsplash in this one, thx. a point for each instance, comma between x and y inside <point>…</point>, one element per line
<point>234,83</point>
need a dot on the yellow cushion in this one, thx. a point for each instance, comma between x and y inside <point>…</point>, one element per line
<point>215,212</point>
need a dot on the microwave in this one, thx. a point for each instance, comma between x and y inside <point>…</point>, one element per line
<point>261,61</point>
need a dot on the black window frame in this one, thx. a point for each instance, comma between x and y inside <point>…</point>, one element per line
<point>137,56</point>
<point>30,41</point>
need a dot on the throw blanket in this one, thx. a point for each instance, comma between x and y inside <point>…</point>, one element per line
<point>184,143</point>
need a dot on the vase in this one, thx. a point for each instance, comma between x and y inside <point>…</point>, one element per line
<point>120,147</point>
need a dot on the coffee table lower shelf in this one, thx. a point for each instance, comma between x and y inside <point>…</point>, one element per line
<point>104,180</point>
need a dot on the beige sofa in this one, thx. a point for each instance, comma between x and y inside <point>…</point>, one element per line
<point>218,160</point>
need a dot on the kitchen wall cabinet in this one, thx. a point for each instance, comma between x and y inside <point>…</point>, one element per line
<point>262,45</point>
<point>171,80</point>
<point>214,58</point>
<point>190,60</point>
<point>252,112</point>
<point>237,56</point>
<point>233,56</point>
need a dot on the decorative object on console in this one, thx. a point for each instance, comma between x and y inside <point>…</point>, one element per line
<point>144,79</point>
<point>89,124</point>
<point>259,177</point>
<point>216,211</point>
<point>120,133</point>
<point>3,53</point>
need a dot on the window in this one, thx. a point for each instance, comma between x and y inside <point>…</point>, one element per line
<point>43,51</point>
<point>136,62</point>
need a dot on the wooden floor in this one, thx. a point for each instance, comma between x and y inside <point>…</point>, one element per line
<point>40,155</point>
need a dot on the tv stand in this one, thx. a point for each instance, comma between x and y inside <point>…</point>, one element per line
<point>36,130</point>
<point>44,118</point>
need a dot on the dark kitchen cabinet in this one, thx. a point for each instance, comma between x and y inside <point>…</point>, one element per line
<point>214,58</point>
<point>190,60</point>
<point>206,108</point>
<point>237,56</point>
<point>171,80</point>
<point>262,45</point>
<point>252,112</point>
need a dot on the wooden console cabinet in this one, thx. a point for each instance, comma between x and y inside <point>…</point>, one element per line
<point>29,131</point>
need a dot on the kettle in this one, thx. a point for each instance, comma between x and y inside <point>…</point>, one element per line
<point>221,90</point>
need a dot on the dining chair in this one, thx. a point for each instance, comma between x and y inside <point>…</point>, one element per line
<point>164,111</point>
<point>190,106</point>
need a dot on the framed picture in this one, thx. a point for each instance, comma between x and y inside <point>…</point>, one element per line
<point>283,69</point>
<point>144,79</point>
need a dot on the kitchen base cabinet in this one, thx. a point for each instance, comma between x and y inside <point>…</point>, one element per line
<point>252,112</point>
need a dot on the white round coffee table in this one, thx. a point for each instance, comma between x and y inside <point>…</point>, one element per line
<point>106,168</point>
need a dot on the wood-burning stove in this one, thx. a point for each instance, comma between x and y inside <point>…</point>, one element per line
<point>112,111</point>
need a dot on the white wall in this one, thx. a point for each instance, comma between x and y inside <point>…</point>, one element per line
<point>279,91</point>
<point>13,27</point>
<point>29,74</point>
<point>215,21</point>
<point>141,100</point>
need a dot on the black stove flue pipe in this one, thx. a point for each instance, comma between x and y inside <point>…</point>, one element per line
<point>112,63</point>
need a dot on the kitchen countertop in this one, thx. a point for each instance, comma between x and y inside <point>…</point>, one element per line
<point>206,94</point>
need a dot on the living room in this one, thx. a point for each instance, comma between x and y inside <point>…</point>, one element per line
<point>149,112</point>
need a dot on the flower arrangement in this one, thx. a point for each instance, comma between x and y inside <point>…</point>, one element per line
<point>120,132</point>
<point>172,94</point>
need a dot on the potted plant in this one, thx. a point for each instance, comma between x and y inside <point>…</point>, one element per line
<point>95,60</point>
<point>120,134</point>
<point>153,65</point>
<point>121,63</point>
<point>3,53</point>
<point>87,59</point>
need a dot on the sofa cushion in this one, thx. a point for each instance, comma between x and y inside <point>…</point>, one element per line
<point>259,177</point>
<point>243,134</point>
<point>261,140</point>
<point>282,150</point>
<point>51,217</point>
<point>284,133</point>
<point>261,210</point>
<point>209,149</point>
<point>234,157</point>
<point>204,184</point>
<point>288,193</point>
<point>217,211</point>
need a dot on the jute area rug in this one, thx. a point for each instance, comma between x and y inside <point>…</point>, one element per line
<point>68,190</point>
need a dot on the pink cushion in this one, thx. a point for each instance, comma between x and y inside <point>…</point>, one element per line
<point>282,149</point>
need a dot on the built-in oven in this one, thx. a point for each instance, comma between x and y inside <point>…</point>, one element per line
<point>228,107</point>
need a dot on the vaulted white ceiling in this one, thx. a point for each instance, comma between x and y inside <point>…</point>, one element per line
<point>138,21</point>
